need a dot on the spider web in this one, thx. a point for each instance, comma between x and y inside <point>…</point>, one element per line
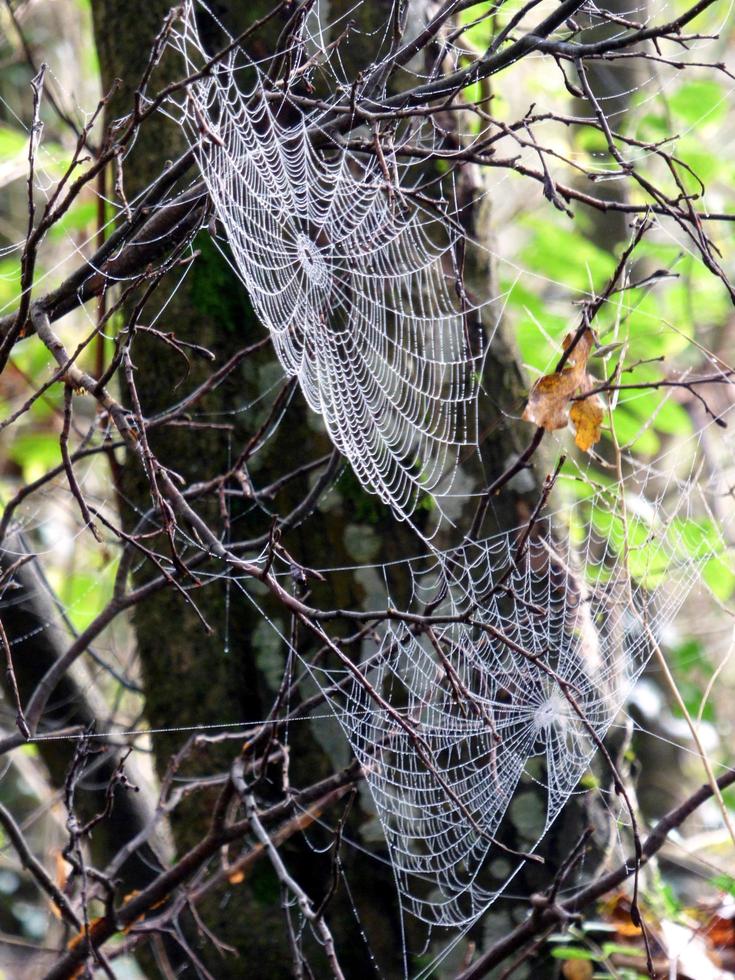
<point>451,721</point>
<point>357,286</point>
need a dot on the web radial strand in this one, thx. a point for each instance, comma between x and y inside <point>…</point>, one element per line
<point>355,284</point>
<point>521,693</point>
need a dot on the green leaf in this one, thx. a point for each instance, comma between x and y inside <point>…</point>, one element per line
<point>610,949</point>
<point>572,953</point>
<point>591,140</point>
<point>86,592</point>
<point>35,453</point>
<point>705,165</point>
<point>720,578</point>
<point>671,419</point>
<point>78,218</point>
<point>12,142</point>
<point>668,416</point>
<point>50,402</point>
<point>688,656</point>
<point>653,126</point>
<point>699,101</point>
<point>9,280</point>
<point>34,360</point>
<point>726,883</point>
<point>631,432</point>
<point>566,256</point>
<point>696,539</point>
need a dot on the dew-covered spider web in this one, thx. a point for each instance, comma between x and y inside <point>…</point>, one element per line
<point>358,286</point>
<point>514,659</point>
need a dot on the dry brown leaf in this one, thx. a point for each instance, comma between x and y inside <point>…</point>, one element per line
<point>582,350</point>
<point>720,931</point>
<point>617,910</point>
<point>550,398</point>
<point>586,416</point>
